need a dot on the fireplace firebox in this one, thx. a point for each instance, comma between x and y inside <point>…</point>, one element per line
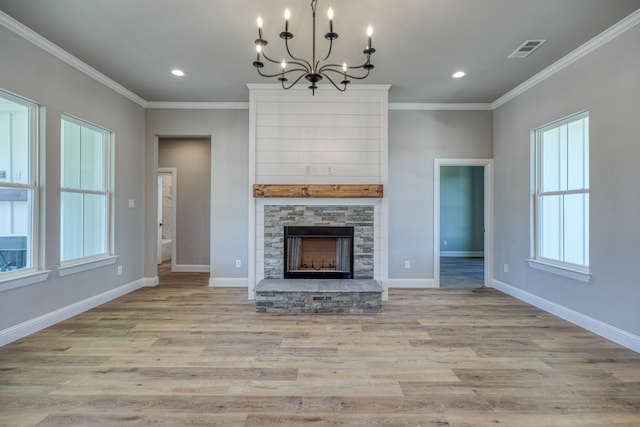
<point>318,252</point>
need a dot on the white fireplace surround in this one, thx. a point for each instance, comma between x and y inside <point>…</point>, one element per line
<point>330,138</point>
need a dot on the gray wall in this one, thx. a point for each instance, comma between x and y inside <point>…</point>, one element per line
<point>607,83</point>
<point>32,73</point>
<point>461,209</point>
<point>416,138</point>
<point>228,131</point>
<point>192,159</point>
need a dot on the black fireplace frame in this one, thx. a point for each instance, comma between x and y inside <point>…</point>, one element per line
<point>318,231</point>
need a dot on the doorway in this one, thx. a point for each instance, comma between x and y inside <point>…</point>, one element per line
<point>167,197</point>
<point>190,157</point>
<point>462,223</point>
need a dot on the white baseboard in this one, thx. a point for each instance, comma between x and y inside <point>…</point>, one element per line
<point>190,268</point>
<point>31,326</point>
<point>411,283</point>
<point>151,281</point>
<point>462,254</point>
<point>229,282</point>
<point>596,326</point>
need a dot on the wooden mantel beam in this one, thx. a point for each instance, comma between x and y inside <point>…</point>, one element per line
<point>318,190</point>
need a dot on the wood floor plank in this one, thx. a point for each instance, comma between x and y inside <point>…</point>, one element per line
<point>183,353</point>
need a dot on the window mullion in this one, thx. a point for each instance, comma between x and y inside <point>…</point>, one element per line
<point>80,191</point>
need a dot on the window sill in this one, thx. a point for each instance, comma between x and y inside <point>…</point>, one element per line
<point>571,273</point>
<point>85,265</point>
<point>25,279</point>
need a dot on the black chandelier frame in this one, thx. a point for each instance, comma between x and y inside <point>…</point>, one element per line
<point>315,70</point>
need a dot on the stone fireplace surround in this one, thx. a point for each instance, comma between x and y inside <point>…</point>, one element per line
<point>276,217</point>
<point>269,256</point>
<point>362,294</point>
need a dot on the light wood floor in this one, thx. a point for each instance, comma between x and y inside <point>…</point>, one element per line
<point>186,354</point>
<point>461,272</point>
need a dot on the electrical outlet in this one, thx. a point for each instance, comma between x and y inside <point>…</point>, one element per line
<point>407,264</point>
<point>307,170</point>
<point>119,270</point>
<point>445,243</point>
<point>506,268</point>
<point>238,263</point>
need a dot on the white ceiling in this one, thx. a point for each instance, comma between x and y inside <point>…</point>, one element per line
<point>419,43</point>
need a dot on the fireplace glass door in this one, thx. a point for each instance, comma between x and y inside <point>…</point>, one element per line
<point>318,252</point>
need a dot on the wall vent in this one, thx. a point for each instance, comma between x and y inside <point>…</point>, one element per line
<point>526,48</point>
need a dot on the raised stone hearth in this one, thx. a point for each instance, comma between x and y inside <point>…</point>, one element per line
<point>318,296</point>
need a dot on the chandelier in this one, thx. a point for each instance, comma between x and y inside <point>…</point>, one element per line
<point>315,69</point>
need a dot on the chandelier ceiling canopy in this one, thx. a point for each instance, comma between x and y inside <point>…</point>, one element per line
<point>291,71</point>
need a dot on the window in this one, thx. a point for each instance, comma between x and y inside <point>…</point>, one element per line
<point>18,185</point>
<point>561,193</point>
<point>85,197</point>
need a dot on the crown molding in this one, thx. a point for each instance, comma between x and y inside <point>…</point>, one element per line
<point>327,87</point>
<point>55,50</point>
<point>198,105</point>
<point>593,44</point>
<point>439,106</point>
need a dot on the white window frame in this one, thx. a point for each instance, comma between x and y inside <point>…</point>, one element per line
<point>575,271</point>
<point>106,258</point>
<point>33,273</point>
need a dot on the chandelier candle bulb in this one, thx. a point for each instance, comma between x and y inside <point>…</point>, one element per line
<point>287,15</point>
<point>369,34</point>
<point>330,14</point>
<point>259,22</point>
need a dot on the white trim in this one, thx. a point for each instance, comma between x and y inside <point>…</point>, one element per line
<point>191,268</point>
<point>323,87</point>
<point>439,106</point>
<point>150,281</point>
<point>55,50</point>
<point>599,40</point>
<point>462,254</point>
<point>487,164</point>
<point>229,282</point>
<point>571,273</point>
<point>174,212</point>
<point>197,105</point>
<point>31,326</point>
<point>596,326</point>
<point>252,269</point>
<point>412,283</point>
<point>85,265</point>
<point>245,106</point>
<point>29,278</point>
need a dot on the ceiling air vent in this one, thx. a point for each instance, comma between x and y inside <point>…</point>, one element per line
<point>526,48</point>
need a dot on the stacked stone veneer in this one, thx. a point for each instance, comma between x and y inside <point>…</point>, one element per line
<point>318,296</point>
<point>276,217</point>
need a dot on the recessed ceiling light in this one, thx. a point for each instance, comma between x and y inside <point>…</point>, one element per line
<point>178,73</point>
<point>458,74</point>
